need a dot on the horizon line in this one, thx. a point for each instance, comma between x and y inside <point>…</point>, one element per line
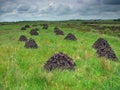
<point>58,20</point>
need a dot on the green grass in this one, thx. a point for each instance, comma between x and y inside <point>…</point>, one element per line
<point>22,69</point>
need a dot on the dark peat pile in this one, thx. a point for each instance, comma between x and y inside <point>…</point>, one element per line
<point>60,61</point>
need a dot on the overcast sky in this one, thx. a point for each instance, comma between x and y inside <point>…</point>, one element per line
<point>19,10</point>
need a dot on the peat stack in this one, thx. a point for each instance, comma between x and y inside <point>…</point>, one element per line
<point>33,32</point>
<point>101,43</point>
<point>45,26</point>
<point>23,28</point>
<point>70,36</point>
<point>104,49</point>
<point>23,38</point>
<point>58,31</point>
<point>31,43</point>
<point>60,61</point>
<point>27,26</point>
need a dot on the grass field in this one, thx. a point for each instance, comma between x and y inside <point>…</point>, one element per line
<point>22,69</point>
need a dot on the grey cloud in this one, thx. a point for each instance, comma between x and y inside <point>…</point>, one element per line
<point>59,10</point>
<point>65,10</point>
<point>54,9</point>
<point>110,8</point>
<point>7,6</point>
<point>111,2</point>
<point>23,8</point>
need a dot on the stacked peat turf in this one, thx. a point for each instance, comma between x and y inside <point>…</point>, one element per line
<point>23,38</point>
<point>31,43</point>
<point>70,36</point>
<point>104,50</point>
<point>45,26</point>
<point>60,61</point>
<point>23,28</point>
<point>34,32</point>
<point>58,31</point>
<point>27,26</point>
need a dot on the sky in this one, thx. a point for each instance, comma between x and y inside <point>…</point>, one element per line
<point>20,10</point>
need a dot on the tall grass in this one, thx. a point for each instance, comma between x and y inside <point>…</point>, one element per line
<point>22,69</point>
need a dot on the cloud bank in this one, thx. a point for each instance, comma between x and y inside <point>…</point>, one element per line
<point>19,10</point>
